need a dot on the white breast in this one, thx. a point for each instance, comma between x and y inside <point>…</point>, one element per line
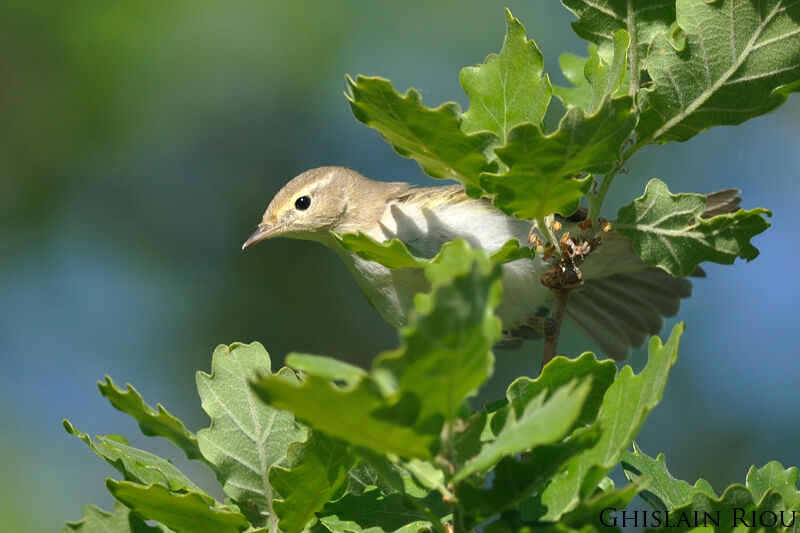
<point>425,230</point>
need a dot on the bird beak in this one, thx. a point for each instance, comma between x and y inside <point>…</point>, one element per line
<point>264,231</point>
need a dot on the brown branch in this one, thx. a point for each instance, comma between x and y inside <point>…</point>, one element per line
<point>552,326</point>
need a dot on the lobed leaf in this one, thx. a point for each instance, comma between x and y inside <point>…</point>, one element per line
<point>599,20</point>
<point>391,254</point>
<point>769,489</point>
<point>625,406</point>
<point>152,422</point>
<point>589,509</point>
<point>378,513</point>
<point>246,437</point>
<point>358,414</point>
<point>135,464</point>
<point>121,521</point>
<point>432,137</point>
<point>773,477</point>
<point>400,406</point>
<point>734,508</point>
<point>740,60</point>
<point>190,512</point>
<point>661,491</point>
<point>667,230</point>
<point>508,89</point>
<point>395,253</point>
<point>559,373</point>
<point>446,352</point>
<point>326,367</point>
<point>514,479</point>
<point>542,169</point>
<point>317,474</point>
<point>597,77</point>
<point>541,422</point>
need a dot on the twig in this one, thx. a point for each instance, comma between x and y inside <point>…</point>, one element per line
<point>552,325</point>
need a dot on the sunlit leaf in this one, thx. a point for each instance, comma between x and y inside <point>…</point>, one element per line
<point>152,422</point>
<point>667,230</point>
<point>432,137</point>
<point>769,489</point>
<point>515,479</point>
<point>137,465</point>
<point>508,89</point>
<point>739,61</point>
<point>184,513</point>
<point>121,521</point>
<point>662,491</point>
<point>325,367</point>
<point>599,76</point>
<point>558,373</point>
<point>246,437</point>
<point>541,422</point>
<point>395,254</point>
<point>626,404</point>
<point>358,414</point>
<point>459,315</point>
<point>599,20</point>
<point>391,254</point>
<point>542,169</point>
<point>400,406</point>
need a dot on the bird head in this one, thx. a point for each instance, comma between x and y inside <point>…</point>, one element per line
<point>309,206</point>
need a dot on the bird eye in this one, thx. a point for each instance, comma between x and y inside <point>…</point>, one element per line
<point>302,203</point>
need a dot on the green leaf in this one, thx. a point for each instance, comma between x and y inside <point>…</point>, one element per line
<point>246,437</point>
<point>317,474</point>
<point>427,475</point>
<point>122,521</point>
<point>600,76</point>
<point>152,422</point>
<point>432,137</point>
<point>626,404</point>
<point>377,470</point>
<point>542,168</point>
<point>599,20</point>
<point>516,479</point>
<point>668,231</point>
<point>395,253</point>
<point>391,254</point>
<point>580,94</point>
<point>661,491</point>
<point>772,476</point>
<point>325,367</point>
<point>190,512</point>
<point>135,464</point>
<point>358,414</point>
<point>508,89</point>
<point>384,411</point>
<point>739,55</point>
<point>446,352</point>
<point>769,488</point>
<point>377,513</point>
<point>589,509</point>
<point>733,509</point>
<point>542,422</point>
<point>558,373</point>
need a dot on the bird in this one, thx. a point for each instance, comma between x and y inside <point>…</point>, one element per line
<point>621,303</point>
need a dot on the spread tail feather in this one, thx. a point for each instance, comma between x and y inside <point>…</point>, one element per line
<point>622,311</point>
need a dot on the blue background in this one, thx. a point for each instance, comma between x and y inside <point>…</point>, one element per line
<point>141,143</point>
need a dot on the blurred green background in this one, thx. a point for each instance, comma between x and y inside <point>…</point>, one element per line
<point>139,145</point>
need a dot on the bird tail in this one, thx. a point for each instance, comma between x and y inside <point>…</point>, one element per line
<point>622,311</point>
